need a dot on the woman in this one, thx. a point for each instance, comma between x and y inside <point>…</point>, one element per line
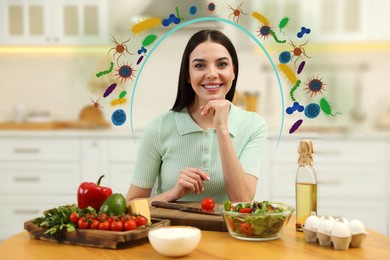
<point>204,146</point>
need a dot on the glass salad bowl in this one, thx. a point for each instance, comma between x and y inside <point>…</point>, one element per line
<point>256,221</point>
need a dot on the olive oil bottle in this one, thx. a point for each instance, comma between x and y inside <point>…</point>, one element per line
<point>305,184</point>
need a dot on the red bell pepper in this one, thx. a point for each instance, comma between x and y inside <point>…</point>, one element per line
<point>92,194</point>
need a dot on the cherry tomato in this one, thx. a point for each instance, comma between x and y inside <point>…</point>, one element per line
<point>125,218</point>
<point>130,225</point>
<point>116,225</point>
<point>230,223</point>
<point>208,204</point>
<point>83,223</point>
<point>74,217</point>
<point>94,224</point>
<point>245,210</point>
<point>245,228</point>
<point>141,221</point>
<point>104,225</point>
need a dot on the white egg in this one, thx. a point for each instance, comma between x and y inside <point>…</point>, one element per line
<point>356,227</point>
<point>340,229</point>
<point>312,223</point>
<point>327,217</point>
<point>325,226</point>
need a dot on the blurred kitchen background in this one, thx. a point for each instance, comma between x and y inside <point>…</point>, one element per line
<point>50,52</point>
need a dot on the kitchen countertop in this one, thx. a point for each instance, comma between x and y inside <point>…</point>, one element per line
<point>213,245</point>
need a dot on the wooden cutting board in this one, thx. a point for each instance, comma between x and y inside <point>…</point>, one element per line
<point>182,218</point>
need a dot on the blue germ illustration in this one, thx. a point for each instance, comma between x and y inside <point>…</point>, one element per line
<point>118,117</point>
<point>125,72</point>
<point>295,107</point>
<point>285,57</point>
<point>172,19</point>
<point>315,85</point>
<point>193,10</point>
<point>142,50</point>
<point>303,31</point>
<point>312,110</point>
<point>211,7</point>
<point>264,31</point>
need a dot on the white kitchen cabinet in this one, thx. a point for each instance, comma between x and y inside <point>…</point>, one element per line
<point>35,174</point>
<point>351,175</point>
<point>59,22</point>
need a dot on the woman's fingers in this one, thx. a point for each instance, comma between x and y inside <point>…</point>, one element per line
<point>192,178</point>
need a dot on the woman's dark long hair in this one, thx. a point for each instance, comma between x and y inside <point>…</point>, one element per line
<point>185,93</point>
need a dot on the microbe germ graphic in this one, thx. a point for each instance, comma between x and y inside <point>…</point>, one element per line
<point>312,110</point>
<point>193,10</point>
<point>298,51</point>
<point>295,107</point>
<point>295,126</point>
<point>125,72</point>
<point>236,13</point>
<point>284,57</point>
<point>325,106</point>
<point>264,31</point>
<point>211,7</point>
<point>118,117</point>
<point>120,48</point>
<point>96,103</point>
<point>315,86</point>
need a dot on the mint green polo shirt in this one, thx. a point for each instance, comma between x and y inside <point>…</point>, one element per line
<point>173,141</point>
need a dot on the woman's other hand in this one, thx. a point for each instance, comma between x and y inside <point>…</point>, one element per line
<point>190,180</point>
<point>220,110</point>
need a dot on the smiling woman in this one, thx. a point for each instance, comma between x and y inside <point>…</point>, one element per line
<point>204,146</point>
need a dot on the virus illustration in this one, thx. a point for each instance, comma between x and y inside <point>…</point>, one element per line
<point>96,103</point>
<point>264,31</point>
<point>298,51</point>
<point>312,110</point>
<point>284,57</point>
<point>118,117</point>
<point>211,7</point>
<point>125,72</point>
<point>315,86</point>
<point>193,10</point>
<point>236,13</point>
<point>120,49</point>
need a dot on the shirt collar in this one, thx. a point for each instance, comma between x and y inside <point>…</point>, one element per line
<point>185,124</point>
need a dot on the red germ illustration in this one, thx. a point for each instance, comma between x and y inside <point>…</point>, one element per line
<point>298,51</point>
<point>125,72</point>
<point>236,13</point>
<point>315,86</point>
<point>119,48</point>
<point>264,31</point>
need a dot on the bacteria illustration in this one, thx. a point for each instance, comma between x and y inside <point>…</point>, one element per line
<point>193,10</point>
<point>145,25</point>
<point>176,19</point>
<point>211,7</point>
<point>118,117</point>
<point>312,110</point>
<point>303,31</point>
<point>261,18</point>
<point>101,73</point>
<point>284,57</point>
<point>125,72</point>
<point>297,84</point>
<point>237,12</point>
<point>109,90</point>
<point>283,23</point>
<point>300,67</point>
<point>295,126</point>
<point>118,101</point>
<point>140,59</point>
<point>295,107</point>
<point>288,72</point>
<point>325,107</point>
<point>149,40</point>
<point>123,94</point>
<point>120,48</point>
<point>298,51</point>
<point>96,103</point>
<point>315,86</point>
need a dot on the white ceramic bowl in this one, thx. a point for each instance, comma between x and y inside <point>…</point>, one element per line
<point>174,241</point>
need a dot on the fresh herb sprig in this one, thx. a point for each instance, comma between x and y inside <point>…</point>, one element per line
<point>57,219</point>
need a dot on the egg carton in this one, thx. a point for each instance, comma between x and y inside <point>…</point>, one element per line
<point>339,233</point>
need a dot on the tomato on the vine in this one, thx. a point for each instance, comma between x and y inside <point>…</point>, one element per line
<point>83,223</point>
<point>141,221</point>
<point>104,225</point>
<point>74,217</point>
<point>208,204</point>
<point>94,224</point>
<point>116,225</point>
<point>129,225</point>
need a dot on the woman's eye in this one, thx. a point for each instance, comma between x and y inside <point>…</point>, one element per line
<point>199,66</point>
<point>223,65</point>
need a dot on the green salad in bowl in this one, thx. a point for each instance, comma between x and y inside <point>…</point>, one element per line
<point>258,221</point>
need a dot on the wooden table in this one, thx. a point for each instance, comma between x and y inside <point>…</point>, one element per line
<point>213,245</point>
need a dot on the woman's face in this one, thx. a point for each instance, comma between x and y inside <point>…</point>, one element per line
<point>211,72</point>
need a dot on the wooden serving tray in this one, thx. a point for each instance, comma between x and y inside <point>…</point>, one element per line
<point>96,238</point>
